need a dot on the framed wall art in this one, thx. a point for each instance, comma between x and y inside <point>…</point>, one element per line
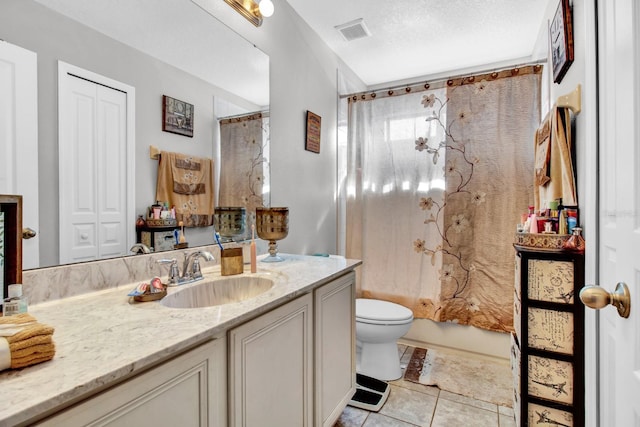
<point>561,41</point>
<point>177,116</point>
<point>313,132</point>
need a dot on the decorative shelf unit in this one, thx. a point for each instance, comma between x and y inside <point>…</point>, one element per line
<point>160,238</point>
<point>547,347</point>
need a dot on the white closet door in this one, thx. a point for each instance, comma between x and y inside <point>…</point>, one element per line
<point>19,138</point>
<point>112,172</point>
<point>94,165</point>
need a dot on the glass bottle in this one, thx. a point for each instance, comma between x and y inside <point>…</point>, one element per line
<point>15,303</point>
<point>576,241</point>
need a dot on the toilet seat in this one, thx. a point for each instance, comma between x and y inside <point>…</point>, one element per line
<point>379,312</point>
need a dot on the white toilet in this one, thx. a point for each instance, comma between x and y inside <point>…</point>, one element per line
<point>379,324</point>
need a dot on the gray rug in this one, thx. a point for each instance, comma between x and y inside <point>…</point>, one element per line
<point>482,379</point>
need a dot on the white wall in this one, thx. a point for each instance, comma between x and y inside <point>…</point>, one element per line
<point>303,76</point>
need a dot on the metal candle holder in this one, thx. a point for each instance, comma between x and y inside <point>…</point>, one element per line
<point>272,224</point>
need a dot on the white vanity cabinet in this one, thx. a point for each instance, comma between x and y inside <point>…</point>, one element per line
<point>335,337</point>
<point>189,390</point>
<point>295,365</point>
<point>270,368</point>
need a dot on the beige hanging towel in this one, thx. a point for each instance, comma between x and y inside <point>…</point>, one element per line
<point>561,182</point>
<point>186,182</point>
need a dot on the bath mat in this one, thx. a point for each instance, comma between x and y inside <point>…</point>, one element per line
<point>479,378</point>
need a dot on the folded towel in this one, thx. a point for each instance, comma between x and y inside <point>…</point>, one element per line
<point>32,359</point>
<point>25,341</point>
<point>17,319</point>
<point>30,333</point>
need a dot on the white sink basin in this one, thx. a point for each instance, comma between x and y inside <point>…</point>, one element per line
<point>227,290</point>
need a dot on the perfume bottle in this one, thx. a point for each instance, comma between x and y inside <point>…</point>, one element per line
<point>575,242</point>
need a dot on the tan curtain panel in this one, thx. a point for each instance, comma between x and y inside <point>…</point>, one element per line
<point>436,183</point>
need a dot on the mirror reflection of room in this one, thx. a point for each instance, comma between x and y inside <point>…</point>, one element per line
<point>94,217</point>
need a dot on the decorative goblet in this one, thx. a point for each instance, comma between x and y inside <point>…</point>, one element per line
<point>272,224</point>
<point>229,222</point>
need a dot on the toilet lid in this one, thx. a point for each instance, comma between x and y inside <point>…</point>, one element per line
<point>377,310</point>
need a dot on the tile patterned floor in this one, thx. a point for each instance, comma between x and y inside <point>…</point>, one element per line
<point>410,405</point>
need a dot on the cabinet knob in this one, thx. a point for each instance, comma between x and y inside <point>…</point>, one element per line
<point>597,297</point>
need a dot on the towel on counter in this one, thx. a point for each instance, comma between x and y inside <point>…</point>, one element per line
<point>186,182</point>
<point>24,341</point>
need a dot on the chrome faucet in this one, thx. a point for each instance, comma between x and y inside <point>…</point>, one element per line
<point>140,248</point>
<point>191,271</point>
<point>194,271</point>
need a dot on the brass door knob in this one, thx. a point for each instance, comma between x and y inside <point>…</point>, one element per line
<point>597,297</point>
<point>28,233</point>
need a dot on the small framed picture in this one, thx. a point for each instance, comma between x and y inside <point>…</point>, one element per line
<point>313,132</point>
<point>561,41</point>
<point>177,116</point>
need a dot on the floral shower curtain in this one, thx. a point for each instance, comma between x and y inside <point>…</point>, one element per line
<point>436,182</point>
<point>244,146</point>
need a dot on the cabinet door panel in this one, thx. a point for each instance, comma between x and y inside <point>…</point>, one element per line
<point>551,330</point>
<point>550,379</point>
<point>186,391</point>
<point>270,368</point>
<point>335,348</point>
<point>551,281</point>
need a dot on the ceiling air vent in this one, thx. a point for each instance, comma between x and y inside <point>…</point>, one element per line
<point>353,30</point>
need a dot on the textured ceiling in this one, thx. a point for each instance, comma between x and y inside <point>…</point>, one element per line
<point>410,38</point>
<point>414,38</point>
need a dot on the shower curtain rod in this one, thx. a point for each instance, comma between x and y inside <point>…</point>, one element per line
<point>265,113</point>
<point>441,82</point>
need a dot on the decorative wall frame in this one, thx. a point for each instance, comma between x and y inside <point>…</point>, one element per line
<point>177,116</point>
<point>313,132</point>
<point>561,41</point>
<point>10,241</point>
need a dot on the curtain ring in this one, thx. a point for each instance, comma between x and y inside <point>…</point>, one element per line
<point>363,96</point>
<point>427,85</point>
<point>515,71</point>
<point>373,95</point>
<point>472,79</point>
<point>450,82</point>
<point>494,75</point>
<point>390,92</point>
<point>355,98</point>
<point>537,67</point>
<point>407,89</point>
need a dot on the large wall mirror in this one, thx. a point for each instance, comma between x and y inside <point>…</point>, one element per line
<point>176,49</point>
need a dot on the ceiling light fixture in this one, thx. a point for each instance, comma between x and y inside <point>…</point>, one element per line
<point>252,10</point>
<point>266,7</point>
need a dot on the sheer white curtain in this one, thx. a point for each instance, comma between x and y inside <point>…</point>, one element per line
<point>387,177</point>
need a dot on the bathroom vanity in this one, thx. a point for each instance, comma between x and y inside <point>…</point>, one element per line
<point>284,357</point>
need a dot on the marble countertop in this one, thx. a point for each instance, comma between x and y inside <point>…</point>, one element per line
<point>103,337</point>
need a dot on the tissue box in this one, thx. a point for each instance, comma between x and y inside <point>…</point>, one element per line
<point>231,261</point>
